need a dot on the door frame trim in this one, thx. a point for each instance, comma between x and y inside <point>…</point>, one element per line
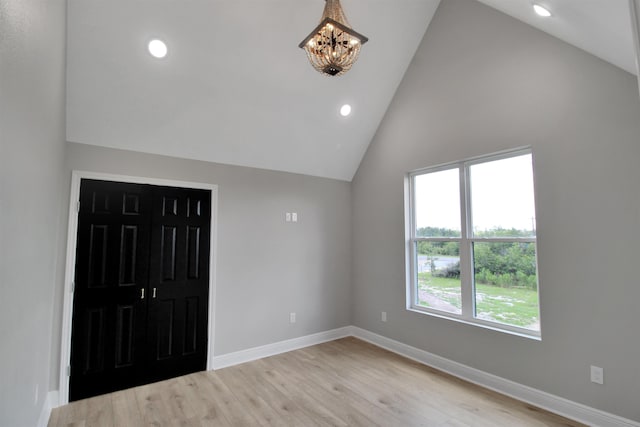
<point>72,233</point>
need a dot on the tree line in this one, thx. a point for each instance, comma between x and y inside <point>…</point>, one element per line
<point>504,264</point>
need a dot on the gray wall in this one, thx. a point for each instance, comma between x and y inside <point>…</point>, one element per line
<point>480,82</point>
<point>483,82</point>
<point>266,268</point>
<point>32,135</point>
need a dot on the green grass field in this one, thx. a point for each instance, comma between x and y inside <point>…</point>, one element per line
<point>512,306</point>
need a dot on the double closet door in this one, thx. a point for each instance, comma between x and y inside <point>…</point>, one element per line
<point>140,303</point>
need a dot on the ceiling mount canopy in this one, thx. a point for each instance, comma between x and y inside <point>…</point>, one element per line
<point>333,46</point>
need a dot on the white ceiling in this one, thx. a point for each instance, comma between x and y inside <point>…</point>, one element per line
<point>601,27</point>
<point>236,89</point>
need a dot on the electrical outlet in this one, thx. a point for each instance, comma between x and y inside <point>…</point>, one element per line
<point>292,318</point>
<point>383,317</point>
<point>597,375</point>
<point>294,216</point>
<point>287,216</point>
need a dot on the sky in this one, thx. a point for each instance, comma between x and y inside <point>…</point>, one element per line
<point>501,196</point>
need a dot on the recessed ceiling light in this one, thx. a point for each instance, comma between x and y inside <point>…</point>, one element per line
<point>541,10</point>
<point>157,48</point>
<point>345,110</point>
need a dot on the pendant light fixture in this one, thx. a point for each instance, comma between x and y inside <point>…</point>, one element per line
<point>333,46</point>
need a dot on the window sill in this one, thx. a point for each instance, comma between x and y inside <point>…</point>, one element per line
<point>493,326</point>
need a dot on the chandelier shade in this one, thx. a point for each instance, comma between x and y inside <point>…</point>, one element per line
<point>333,46</point>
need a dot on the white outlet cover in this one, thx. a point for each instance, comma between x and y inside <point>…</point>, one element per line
<point>597,375</point>
<point>287,217</point>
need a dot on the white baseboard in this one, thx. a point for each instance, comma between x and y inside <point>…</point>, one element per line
<point>50,402</point>
<point>541,399</point>
<point>255,353</point>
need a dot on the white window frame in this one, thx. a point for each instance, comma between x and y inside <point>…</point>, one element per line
<point>465,240</point>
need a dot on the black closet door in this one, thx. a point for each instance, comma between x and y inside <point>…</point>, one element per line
<point>179,282</point>
<point>109,313</point>
<point>140,310</point>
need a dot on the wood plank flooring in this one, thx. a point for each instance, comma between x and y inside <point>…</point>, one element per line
<point>346,382</point>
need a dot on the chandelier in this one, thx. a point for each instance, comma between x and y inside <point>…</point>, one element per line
<point>333,47</point>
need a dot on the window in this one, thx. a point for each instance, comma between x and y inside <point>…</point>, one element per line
<point>472,242</point>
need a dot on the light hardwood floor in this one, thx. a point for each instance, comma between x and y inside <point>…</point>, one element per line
<point>341,383</point>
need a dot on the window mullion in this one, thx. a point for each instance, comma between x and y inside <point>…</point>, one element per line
<point>412,206</point>
<point>505,239</point>
<point>437,239</point>
<point>413,250</point>
<point>414,274</point>
<point>466,267</point>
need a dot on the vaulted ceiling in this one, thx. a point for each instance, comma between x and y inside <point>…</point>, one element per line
<point>236,89</point>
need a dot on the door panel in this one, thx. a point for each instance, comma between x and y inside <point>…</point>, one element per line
<point>191,325</point>
<point>95,339</point>
<point>98,239</point>
<point>193,252</point>
<point>179,271</point>
<point>112,258</point>
<point>141,289</point>
<point>128,253</point>
<point>168,253</point>
<point>124,335</point>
